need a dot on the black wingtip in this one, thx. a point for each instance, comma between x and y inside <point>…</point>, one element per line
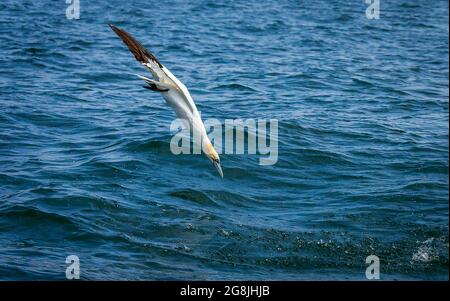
<point>140,53</point>
<point>113,27</point>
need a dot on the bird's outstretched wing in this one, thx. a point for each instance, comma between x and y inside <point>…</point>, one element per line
<point>141,54</point>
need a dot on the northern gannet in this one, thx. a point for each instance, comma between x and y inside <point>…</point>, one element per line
<point>174,92</point>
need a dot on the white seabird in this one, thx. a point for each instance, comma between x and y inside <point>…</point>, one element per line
<point>174,92</point>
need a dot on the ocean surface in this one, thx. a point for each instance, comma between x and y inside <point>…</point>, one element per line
<point>362,108</point>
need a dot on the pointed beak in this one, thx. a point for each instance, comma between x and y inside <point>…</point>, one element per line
<point>218,167</point>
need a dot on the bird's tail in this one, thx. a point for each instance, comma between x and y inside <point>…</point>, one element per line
<point>154,85</point>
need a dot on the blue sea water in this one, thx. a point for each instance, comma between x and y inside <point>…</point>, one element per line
<point>362,108</point>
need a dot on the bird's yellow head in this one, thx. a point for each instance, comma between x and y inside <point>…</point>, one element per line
<point>212,154</point>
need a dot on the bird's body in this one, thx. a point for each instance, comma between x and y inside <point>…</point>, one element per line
<point>173,91</point>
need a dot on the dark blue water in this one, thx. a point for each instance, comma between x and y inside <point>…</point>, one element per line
<point>362,105</point>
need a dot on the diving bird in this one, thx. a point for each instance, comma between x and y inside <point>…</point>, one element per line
<point>172,90</point>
